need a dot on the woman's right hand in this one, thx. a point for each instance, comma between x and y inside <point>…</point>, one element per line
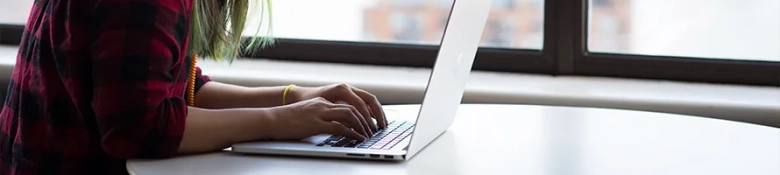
<point>318,116</point>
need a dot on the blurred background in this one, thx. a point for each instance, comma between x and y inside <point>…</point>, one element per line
<point>728,29</point>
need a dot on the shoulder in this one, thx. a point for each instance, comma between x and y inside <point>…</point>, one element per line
<point>144,7</point>
<point>171,17</point>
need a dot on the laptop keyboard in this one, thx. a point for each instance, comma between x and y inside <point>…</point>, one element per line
<point>384,139</point>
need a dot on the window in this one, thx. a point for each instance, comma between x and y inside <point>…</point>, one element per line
<point>14,11</point>
<point>408,2</point>
<point>693,40</point>
<point>402,33</point>
<point>499,33</point>
<point>722,29</point>
<point>406,27</point>
<point>508,4</point>
<point>393,21</point>
<point>13,17</point>
<point>718,41</point>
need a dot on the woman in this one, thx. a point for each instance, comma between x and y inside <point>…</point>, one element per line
<point>98,82</point>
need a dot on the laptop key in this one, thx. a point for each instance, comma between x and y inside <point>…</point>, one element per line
<point>351,144</point>
<point>342,143</point>
<point>332,142</point>
<point>387,147</point>
<point>383,133</point>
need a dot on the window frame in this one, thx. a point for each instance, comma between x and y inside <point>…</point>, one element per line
<point>677,68</point>
<point>564,52</point>
<point>407,55</point>
<point>11,34</point>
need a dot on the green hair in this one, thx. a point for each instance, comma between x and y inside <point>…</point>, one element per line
<point>217,27</point>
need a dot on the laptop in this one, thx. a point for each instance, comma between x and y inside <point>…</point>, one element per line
<point>401,140</point>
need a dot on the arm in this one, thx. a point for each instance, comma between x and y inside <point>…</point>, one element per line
<point>215,95</point>
<point>205,133</point>
<point>137,43</point>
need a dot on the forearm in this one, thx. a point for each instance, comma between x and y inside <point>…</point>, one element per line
<point>205,132</point>
<point>215,95</point>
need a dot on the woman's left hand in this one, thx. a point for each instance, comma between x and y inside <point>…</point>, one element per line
<point>365,102</point>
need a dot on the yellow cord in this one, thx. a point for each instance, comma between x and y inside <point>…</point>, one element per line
<point>286,91</point>
<point>191,82</point>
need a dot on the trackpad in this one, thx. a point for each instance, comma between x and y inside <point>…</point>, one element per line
<point>316,139</point>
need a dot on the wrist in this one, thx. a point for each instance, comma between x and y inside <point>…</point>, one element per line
<point>256,124</point>
<point>295,94</point>
<point>265,123</point>
<point>272,122</point>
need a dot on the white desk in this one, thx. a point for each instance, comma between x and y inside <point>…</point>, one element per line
<point>519,139</point>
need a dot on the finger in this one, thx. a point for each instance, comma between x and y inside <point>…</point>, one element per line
<point>339,129</point>
<point>373,104</point>
<point>353,99</point>
<point>360,117</point>
<point>347,117</point>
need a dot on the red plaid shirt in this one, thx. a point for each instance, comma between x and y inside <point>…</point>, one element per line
<point>96,82</point>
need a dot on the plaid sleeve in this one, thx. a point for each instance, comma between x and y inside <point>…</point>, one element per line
<point>200,79</point>
<point>137,43</point>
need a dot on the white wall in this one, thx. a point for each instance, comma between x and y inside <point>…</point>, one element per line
<point>748,29</point>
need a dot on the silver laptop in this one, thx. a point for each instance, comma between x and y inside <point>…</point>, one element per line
<point>401,140</point>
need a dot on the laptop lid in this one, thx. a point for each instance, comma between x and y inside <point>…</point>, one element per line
<point>450,72</point>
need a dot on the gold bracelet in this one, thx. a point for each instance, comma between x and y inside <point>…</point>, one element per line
<point>286,91</point>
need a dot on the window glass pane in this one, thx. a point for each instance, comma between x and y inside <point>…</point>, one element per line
<point>14,11</point>
<point>512,23</point>
<point>724,29</point>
